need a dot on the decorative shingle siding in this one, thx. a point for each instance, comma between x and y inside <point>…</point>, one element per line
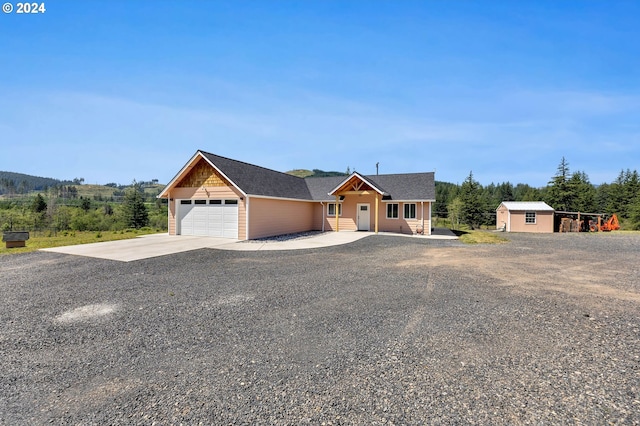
<point>202,174</point>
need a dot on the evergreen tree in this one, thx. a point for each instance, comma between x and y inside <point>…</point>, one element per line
<point>634,215</point>
<point>85,204</point>
<point>472,213</point>
<point>134,211</point>
<point>445,194</point>
<point>631,192</point>
<point>524,192</point>
<point>583,193</point>
<point>38,205</point>
<point>559,194</point>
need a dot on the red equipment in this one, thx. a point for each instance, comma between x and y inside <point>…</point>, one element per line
<point>612,224</point>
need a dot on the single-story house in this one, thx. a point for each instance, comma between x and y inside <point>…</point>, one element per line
<point>524,216</point>
<point>217,196</point>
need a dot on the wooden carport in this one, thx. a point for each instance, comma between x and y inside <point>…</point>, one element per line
<point>576,221</point>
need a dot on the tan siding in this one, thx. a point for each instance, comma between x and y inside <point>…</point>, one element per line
<point>275,217</point>
<point>544,222</point>
<point>348,220</point>
<point>402,225</point>
<point>172,217</point>
<point>318,213</point>
<point>502,216</point>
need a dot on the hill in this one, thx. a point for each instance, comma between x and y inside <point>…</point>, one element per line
<point>11,182</point>
<point>303,173</point>
<point>16,185</point>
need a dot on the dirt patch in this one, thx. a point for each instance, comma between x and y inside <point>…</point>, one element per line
<point>525,269</point>
<point>85,313</point>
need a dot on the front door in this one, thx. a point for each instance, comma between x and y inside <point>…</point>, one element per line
<point>364,218</point>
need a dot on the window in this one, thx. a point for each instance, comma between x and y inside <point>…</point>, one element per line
<point>231,201</point>
<point>331,209</point>
<point>185,201</point>
<point>200,201</point>
<point>392,211</point>
<point>530,217</point>
<point>215,201</point>
<point>410,211</point>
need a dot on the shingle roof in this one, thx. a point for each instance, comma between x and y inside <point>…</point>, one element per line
<point>406,186</point>
<point>256,180</point>
<point>527,205</point>
<point>319,187</point>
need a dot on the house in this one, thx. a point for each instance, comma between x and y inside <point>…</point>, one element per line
<point>524,216</point>
<point>217,196</point>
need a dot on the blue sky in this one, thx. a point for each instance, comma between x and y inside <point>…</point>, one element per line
<point>113,91</point>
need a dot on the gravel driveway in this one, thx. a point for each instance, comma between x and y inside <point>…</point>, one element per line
<point>387,330</point>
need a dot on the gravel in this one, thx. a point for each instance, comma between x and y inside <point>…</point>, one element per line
<point>387,330</point>
<point>285,237</point>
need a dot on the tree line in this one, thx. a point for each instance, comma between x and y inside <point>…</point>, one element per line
<point>60,209</point>
<point>473,205</point>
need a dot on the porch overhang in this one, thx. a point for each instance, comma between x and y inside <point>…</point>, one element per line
<point>357,184</point>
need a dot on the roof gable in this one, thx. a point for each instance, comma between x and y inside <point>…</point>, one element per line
<point>355,182</point>
<point>202,174</point>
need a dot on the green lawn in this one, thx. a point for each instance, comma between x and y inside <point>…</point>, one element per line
<point>69,238</point>
<point>480,237</point>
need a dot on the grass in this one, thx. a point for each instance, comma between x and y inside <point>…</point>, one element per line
<point>480,237</point>
<point>69,238</point>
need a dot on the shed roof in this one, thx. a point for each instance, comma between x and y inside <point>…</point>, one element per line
<point>526,206</point>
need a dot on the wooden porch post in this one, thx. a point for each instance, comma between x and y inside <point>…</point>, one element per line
<point>376,220</point>
<point>337,213</point>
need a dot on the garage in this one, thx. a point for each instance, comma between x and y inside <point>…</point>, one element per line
<point>208,218</point>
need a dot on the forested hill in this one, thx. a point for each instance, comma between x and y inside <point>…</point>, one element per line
<point>11,182</point>
<point>303,173</point>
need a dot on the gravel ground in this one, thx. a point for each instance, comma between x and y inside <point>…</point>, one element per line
<point>387,330</point>
<point>285,237</point>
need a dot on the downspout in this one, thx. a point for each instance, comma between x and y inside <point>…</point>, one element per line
<point>323,217</point>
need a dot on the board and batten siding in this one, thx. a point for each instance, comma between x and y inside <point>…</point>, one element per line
<point>270,217</point>
<point>208,193</point>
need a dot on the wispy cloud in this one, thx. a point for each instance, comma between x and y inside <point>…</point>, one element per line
<point>501,136</point>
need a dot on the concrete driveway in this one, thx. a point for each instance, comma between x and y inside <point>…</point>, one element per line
<point>142,247</point>
<point>148,246</point>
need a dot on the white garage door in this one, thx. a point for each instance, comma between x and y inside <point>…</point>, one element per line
<point>208,218</point>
